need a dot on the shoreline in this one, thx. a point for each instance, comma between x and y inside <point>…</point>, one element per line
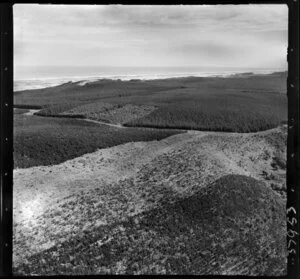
<point>44,83</point>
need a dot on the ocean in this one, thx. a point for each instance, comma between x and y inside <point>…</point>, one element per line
<point>35,78</point>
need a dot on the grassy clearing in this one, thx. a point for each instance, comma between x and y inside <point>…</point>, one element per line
<point>233,226</point>
<point>111,113</point>
<point>47,141</point>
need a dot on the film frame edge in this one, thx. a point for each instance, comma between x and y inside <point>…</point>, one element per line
<point>293,152</point>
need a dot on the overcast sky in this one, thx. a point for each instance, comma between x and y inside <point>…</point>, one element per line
<point>251,36</point>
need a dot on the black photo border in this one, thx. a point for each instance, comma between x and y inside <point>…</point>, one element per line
<point>293,140</point>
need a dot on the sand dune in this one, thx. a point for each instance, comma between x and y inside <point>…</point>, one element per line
<point>55,204</point>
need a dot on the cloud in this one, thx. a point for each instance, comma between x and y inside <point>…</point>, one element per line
<point>154,16</point>
<point>178,35</point>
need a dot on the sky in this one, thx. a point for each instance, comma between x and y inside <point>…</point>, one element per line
<point>247,36</point>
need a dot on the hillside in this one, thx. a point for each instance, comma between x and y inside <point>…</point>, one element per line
<point>43,141</point>
<point>197,202</point>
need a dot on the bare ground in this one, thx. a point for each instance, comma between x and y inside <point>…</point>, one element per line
<point>102,191</point>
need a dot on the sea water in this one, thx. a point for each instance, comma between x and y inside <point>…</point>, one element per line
<point>43,78</point>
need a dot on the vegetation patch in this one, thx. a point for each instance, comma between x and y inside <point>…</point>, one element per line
<point>213,115</point>
<point>47,141</point>
<point>18,106</point>
<point>165,216</point>
<point>111,113</point>
<point>234,226</point>
<point>54,110</point>
<point>236,104</point>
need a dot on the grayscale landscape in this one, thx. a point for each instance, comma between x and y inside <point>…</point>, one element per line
<point>154,172</point>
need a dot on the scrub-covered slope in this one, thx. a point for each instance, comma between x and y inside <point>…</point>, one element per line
<point>198,202</point>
